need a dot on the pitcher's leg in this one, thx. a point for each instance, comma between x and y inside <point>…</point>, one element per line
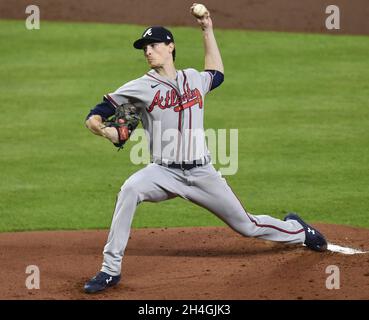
<point>139,187</point>
<point>213,192</point>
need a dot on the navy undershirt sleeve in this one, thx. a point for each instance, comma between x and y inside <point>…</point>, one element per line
<point>218,78</point>
<point>103,109</point>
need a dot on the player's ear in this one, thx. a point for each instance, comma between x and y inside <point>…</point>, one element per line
<point>173,50</point>
<point>171,46</point>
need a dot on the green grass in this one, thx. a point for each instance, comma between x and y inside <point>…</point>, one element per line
<point>300,102</point>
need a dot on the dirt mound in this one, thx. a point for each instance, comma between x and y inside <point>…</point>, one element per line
<point>184,263</point>
<point>282,15</point>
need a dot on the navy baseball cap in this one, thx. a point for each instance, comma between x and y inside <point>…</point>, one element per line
<point>154,34</point>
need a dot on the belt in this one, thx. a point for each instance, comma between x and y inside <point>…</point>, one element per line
<point>184,165</point>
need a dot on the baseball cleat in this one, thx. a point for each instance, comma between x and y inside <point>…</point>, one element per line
<point>100,282</point>
<point>313,238</point>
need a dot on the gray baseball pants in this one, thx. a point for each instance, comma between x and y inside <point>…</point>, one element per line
<point>201,185</point>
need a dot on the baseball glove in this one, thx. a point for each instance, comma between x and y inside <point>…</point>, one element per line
<point>125,120</point>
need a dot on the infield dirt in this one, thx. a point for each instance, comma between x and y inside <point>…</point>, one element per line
<point>184,263</point>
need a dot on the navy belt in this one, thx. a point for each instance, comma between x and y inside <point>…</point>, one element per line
<point>184,165</point>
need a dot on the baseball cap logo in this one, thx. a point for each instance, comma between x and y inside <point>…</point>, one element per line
<point>154,34</point>
<point>147,32</point>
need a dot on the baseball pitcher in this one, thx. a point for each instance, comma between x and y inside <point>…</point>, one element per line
<point>169,100</point>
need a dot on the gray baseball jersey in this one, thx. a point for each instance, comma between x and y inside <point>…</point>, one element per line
<point>178,107</point>
<point>172,113</point>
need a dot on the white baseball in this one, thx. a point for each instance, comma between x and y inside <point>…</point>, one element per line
<point>199,10</point>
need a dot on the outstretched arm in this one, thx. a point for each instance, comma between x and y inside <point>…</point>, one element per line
<point>213,59</point>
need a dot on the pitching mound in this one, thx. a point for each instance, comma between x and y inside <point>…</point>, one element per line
<point>184,263</point>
